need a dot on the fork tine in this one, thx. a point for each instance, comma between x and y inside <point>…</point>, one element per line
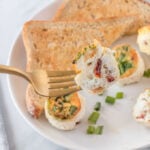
<point>60,73</point>
<point>62,92</point>
<point>61,79</point>
<point>61,85</point>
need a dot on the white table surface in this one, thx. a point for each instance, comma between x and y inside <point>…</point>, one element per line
<point>13,13</point>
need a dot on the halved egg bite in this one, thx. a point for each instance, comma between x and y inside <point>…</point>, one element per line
<point>65,112</point>
<point>143,39</point>
<point>141,110</point>
<point>130,64</point>
<point>97,68</point>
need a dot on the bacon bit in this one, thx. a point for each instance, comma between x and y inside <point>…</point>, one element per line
<point>77,122</point>
<point>145,42</point>
<point>142,116</point>
<point>110,78</point>
<point>132,58</point>
<point>97,70</point>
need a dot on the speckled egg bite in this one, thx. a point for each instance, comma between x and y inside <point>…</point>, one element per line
<point>141,110</point>
<point>130,64</point>
<point>66,111</point>
<point>143,39</point>
<point>97,68</point>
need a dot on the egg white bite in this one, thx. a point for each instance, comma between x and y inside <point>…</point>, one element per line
<point>65,112</point>
<point>141,110</point>
<point>97,68</point>
<point>130,63</point>
<point>143,39</point>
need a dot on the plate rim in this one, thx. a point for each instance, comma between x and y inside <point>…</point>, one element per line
<point>49,138</point>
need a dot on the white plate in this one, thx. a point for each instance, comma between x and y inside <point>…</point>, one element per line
<point>120,130</point>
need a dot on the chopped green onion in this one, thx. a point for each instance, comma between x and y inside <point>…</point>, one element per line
<point>66,99</point>
<point>55,108</point>
<point>119,95</point>
<point>147,73</point>
<point>110,100</point>
<point>127,65</point>
<point>125,48</point>
<point>121,68</point>
<point>79,54</point>
<point>92,46</point>
<point>94,117</point>
<point>97,106</point>
<point>122,56</point>
<point>124,66</point>
<point>90,130</point>
<point>85,49</point>
<point>94,130</point>
<point>99,129</point>
<point>72,109</point>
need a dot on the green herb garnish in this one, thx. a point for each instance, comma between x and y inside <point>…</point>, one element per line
<point>122,56</point>
<point>123,63</point>
<point>147,73</point>
<point>66,99</point>
<point>110,100</point>
<point>55,108</point>
<point>79,54</point>
<point>94,130</point>
<point>125,48</point>
<point>124,66</point>
<point>119,95</point>
<point>85,49</point>
<point>72,109</point>
<point>92,46</point>
<point>121,69</point>
<point>94,117</point>
<point>99,130</point>
<point>97,106</point>
<point>127,65</point>
<point>90,130</point>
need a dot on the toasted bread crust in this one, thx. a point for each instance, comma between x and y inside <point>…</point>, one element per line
<point>42,42</point>
<point>34,102</point>
<point>77,10</point>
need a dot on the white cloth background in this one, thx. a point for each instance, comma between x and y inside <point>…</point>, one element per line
<point>13,13</point>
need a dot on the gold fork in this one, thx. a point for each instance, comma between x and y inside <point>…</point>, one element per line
<point>47,83</point>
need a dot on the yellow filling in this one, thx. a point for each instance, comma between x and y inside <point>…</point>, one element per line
<point>127,59</point>
<point>144,30</point>
<point>65,107</point>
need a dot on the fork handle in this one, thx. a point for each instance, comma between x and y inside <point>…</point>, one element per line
<point>14,71</point>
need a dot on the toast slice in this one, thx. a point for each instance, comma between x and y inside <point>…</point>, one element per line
<point>82,10</point>
<point>48,44</point>
<point>34,102</point>
<point>54,45</point>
